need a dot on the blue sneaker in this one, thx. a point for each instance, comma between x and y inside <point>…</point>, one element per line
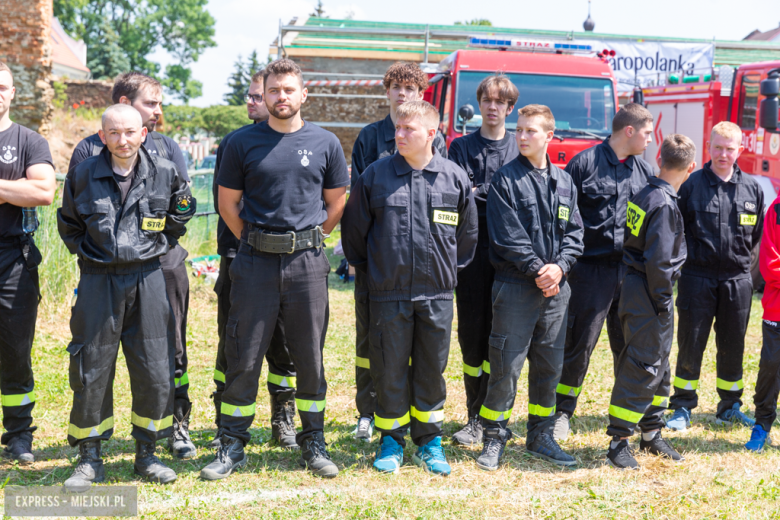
<point>680,420</point>
<point>389,456</point>
<point>758,438</point>
<point>431,458</point>
<point>734,416</point>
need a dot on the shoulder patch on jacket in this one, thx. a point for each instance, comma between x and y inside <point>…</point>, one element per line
<point>183,203</point>
<point>564,192</point>
<point>449,199</point>
<point>634,218</point>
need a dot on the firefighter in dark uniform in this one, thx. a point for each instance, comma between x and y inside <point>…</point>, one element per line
<point>403,82</point>
<point>24,156</point>
<point>723,211</point>
<point>606,176</point>
<point>281,372</point>
<point>535,238</point>
<point>121,212</point>
<point>654,253</point>
<point>410,225</point>
<point>145,95</point>
<point>282,188</point>
<point>481,154</point>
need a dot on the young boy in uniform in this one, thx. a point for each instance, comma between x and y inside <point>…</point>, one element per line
<point>481,154</point>
<point>535,238</point>
<point>410,225</point>
<point>654,252</point>
<point>723,214</point>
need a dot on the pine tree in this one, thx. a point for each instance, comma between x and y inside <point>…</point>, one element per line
<point>237,83</point>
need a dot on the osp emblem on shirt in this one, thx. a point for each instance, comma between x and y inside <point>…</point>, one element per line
<point>750,206</point>
<point>304,159</point>
<point>8,157</point>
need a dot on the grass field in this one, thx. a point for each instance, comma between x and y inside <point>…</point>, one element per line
<point>718,479</point>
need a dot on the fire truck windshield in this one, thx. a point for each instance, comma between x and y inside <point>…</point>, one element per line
<point>585,105</point>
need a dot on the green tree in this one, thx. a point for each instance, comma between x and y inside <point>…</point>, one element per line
<point>241,78</point>
<point>183,28</point>
<point>476,21</point>
<point>182,119</point>
<point>220,120</point>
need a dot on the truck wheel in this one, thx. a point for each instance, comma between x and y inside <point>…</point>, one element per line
<point>755,272</point>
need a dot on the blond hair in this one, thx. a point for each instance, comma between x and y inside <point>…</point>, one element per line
<point>728,130</point>
<point>541,111</point>
<point>421,110</point>
<point>677,152</point>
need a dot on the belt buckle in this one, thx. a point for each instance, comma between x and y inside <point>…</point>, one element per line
<point>292,249</point>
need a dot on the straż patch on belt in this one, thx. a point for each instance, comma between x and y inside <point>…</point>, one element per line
<point>183,203</point>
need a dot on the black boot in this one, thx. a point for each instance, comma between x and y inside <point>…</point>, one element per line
<point>179,443</point>
<point>148,465</point>
<point>89,469</point>
<point>20,448</point>
<point>283,419</point>
<point>217,396</point>
<point>315,458</point>
<point>230,456</point>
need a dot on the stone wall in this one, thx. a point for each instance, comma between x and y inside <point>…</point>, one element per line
<point>93,94</point>
<point>25,26</point>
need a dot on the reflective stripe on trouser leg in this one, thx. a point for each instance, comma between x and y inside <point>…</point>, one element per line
<point>571,391</point>
<point>365,395</point>
<point>19,303</point>
<point>181,381</point>
<point>282,379</point>
<point>595,293</point>
<point>391,423</point>
<point>683,384</point>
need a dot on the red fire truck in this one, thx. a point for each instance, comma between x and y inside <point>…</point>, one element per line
<point>581,91</point>
<point>692,109</point>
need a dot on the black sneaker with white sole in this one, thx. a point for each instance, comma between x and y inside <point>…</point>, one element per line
<point>659,446</point>
<point>621,456</point>
<point>545,447</point>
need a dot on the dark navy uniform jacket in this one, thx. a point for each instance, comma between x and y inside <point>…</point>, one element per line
<point>376,141</point>
<point>531,222</point>
<point>480,158</point>
<point>723,223</point>
<point>655,243</point>
<point>96,226</point>
<point>411,231</point>
<point>604,187</point>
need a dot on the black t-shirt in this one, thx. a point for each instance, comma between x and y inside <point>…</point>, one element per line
<point>283,175</point>
<point>20,148</point>
<point>84,150</point>
<point>125,182</point>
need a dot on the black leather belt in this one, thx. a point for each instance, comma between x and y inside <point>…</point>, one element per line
<point>281,243</point>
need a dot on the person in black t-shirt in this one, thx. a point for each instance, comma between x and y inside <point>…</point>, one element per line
<point>25,157</point>
<point>403,82</point>
<point>145,95</point>
<point>481,154</point>
<point>282,188</point>
<point>281,372</point>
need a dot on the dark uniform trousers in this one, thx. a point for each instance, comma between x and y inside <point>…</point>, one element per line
<point>641,392</point>
<point>265,287</point>
<point>768,382</point>
<point>126,304</point>
<point>365,398</point>
<point>177,285</point>
<point>409,348</point>
<point>699,301</point>
<point>526,324</point>
<point>18,313</point>
<point>595,294</point>
<point>475,321</point>
<point>281,372</point>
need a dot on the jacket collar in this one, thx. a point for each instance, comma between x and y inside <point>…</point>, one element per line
<point>553,170</point>
<point>387,129</point>
<point>714,179</point>
<point>612,157</point>
<point>144,165</point>
<point>662,184</point>
<point>437,164</point>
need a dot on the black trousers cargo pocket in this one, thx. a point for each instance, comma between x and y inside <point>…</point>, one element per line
<point>231,341</point>
<point>496,354</point>
<point>76,368</point>
<point>376,355</point>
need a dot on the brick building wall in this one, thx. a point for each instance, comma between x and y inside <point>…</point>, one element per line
<point>94,94</point>
<point>25,26</point>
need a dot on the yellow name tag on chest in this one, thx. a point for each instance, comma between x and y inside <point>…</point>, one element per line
<point>563,213</point>
<point>746,219</point>
<point>634,218</point>
<point>445,217</point>
<point>152,224</point>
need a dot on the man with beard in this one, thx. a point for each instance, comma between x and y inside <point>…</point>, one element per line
<point>282,189</point>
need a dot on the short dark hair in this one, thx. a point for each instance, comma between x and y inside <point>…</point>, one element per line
<point>633,115</point>
<point>257,77</point>
<point>4,67</point>
<point>282,67</point>
<point>499,85</point>
<point>677,152</point>
<point>406,72</point>
<point>130,85</point>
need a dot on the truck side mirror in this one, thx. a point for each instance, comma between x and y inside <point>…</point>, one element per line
<point>639,96</point>
<point>770,105</point>
<point>466,114</point>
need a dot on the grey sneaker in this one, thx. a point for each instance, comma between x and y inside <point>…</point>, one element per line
<point>561,429</point>
<point>545,447</point>
<point>364,429</point>
<point>470,434</point>
<point>495,440</point>
<point>621,456</point>
<point>680,420</point>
